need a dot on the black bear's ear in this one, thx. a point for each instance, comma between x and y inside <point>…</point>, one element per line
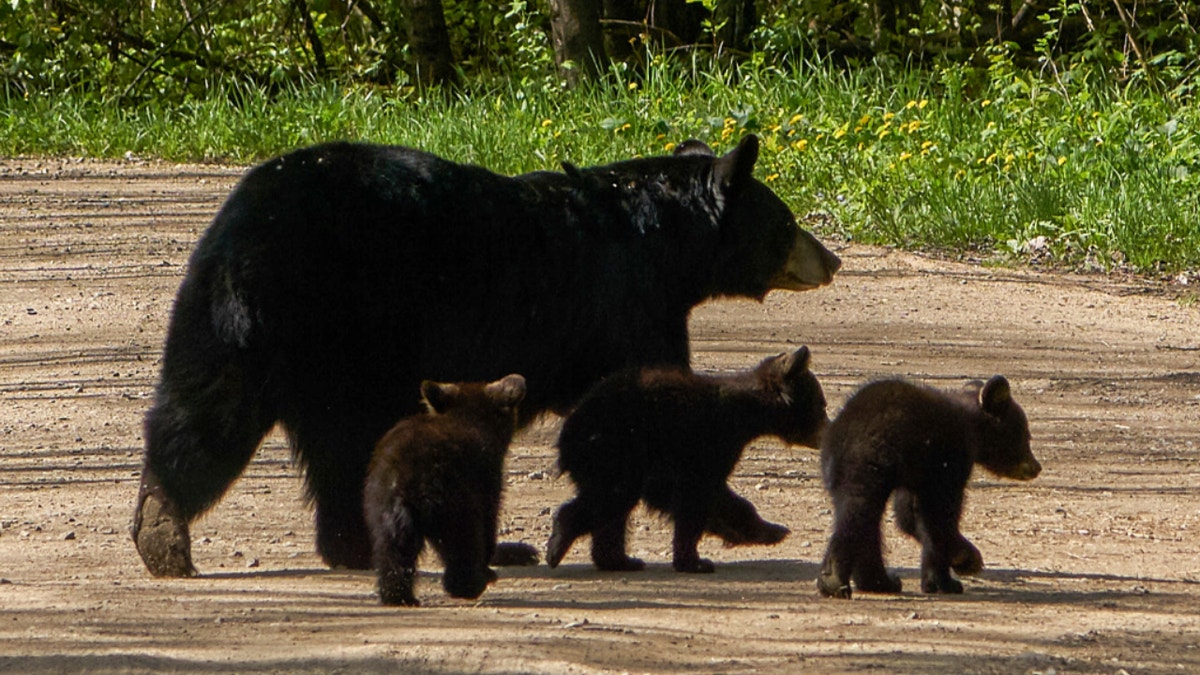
<point>800,360</point>
<point>735,168</point>
<point>438,395</point>
<point>572,171</point>
<point>508,391</point>
<point>693,147</point>
<point>995,396</point>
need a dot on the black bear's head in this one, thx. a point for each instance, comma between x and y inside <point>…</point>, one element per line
<point>758,231</point>
<point>1005,436</point>
<point>707,215</point>
<point>475,398</point>
<point>801,400</point>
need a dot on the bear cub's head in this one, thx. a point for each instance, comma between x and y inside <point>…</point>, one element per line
<point>502,396</point>
<point>787,377</point>
<point>1004,438</point>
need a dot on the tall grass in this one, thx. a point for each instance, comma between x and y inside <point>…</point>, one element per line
<point>1074,168</point>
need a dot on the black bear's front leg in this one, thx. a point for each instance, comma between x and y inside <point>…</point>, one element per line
<point>690,514</point>
<point>735,520</point>
<point>965,559</point>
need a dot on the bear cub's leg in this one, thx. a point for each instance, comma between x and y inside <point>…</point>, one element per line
<point>965,559</point>
<point>397,546</point>
<point>735,520</point>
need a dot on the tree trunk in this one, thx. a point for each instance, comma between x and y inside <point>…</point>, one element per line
<point>429,42</point>
<point>578,40</point>
<point>737,18</point>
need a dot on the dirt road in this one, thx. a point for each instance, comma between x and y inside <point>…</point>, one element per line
<point>1092,568</point>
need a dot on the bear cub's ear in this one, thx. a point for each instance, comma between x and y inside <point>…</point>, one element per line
<point>508,391</point>
<point>995,396</point>
<point>438,395</point>
<point>693,147</point>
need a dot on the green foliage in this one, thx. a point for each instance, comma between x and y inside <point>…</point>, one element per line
<point>1085,156</point>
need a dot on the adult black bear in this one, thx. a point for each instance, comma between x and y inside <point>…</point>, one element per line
<point>336,278</point>
<point>671,437</point>
<point>439,477</point>
<point>920,443</point>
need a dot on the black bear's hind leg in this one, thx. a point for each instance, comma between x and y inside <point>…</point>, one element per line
<point>940,540</point>
<point>569,525</point>
<point>735,520</point>
<point>965,559</point>
<point>200,435</point>
<point>397,546</point>
<point>856,548</point>
<point>335,462</point>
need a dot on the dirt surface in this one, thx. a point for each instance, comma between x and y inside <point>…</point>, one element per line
<point>1092,568</point>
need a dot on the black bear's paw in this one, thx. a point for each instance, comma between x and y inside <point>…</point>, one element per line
<point>515,554</point>
<point>967,560</point>
<point>344,552</point>
<point>557,547</point>
<point>697,566</point>
<point>398,599</point>
<point>943,584</point>
<point>161,535</point>
<point>831,587</point>
<point>621,564</point>
<point>878,582</point>
<point>763,534</point>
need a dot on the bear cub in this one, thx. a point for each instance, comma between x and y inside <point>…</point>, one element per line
<point>671,438</point>
<point>919,444</point>
<point>439,477</point>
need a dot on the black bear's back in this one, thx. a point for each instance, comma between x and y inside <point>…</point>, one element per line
<point>904,432</point>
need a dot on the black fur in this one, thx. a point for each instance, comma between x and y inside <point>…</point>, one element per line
<point>336,278</point>
<point>671,438</point>
<point>439,477</point>
<point>919,443</point>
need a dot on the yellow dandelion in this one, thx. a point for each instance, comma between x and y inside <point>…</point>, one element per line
<point>669,147</point>
<point>795,118</point>
<point>959,174</point>
<point>546,123</point>
<point>910,105</point>
<point>633,85</point>
<point>990,158</point>
<point>864,120</point>
<point>1008,159</point>
<point>914,126</point>
<point>1062,160</point>
<point>905,155</point>
<point>801,144</point>
<point>625,127</point>
<point>841,131</point>
<point>883,132</point>
<point>922,103</point>
<point>926,145</point>
<point>775,129</point>
<point>985,103</point>
<point>887,116</point>
<point>771,177</point>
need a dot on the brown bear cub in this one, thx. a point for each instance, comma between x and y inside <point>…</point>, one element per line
<point>439,477</point>
<point>920,444</point>
<point>671,438</point>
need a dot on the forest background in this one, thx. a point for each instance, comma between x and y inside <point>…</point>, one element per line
<point>1049,131</point>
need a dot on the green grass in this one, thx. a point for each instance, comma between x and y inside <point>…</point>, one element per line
<point>1076,169</point>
